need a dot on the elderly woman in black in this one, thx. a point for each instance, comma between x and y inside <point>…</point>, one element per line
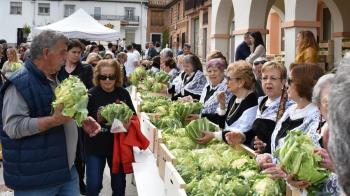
<point>240,111</point>
<point>191,81</point>
<point>274,76</point>
<point>216,84</point>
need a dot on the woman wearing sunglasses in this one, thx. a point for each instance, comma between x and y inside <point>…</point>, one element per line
<point>303,115</point>
<point>99,149</point>
<point>239,113</point>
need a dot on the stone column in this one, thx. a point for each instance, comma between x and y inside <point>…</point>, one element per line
<point>221,17</point>
<point>299,15</point>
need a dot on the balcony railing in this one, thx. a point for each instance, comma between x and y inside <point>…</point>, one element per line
<point>117,17</point>
<point>192,4</point>
<point>159,3</point>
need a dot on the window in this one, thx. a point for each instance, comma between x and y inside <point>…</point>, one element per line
<point>130,35</point>
<point>16,8</point>
<point>68,10</point>
<point>44,9</point>
<point>129,13</point>
<point>171,15</point>
<point>97,13</point>
<point>157,18</point>
<point>178,11</point>
<point>183,10</point>
<point>205,18</point>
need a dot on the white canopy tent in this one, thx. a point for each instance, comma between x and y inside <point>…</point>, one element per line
<point>81,25</point>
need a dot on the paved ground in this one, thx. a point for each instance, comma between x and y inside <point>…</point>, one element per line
<point>106,191</point>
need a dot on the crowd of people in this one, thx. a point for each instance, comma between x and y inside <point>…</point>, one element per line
<point>255,101</point>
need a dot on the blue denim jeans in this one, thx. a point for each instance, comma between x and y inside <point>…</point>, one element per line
<point>70,188</point>
<point>94,174</point>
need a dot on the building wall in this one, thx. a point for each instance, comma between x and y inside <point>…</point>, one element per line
<point>178,24</point>
<point>155,15</point>
<point>30,16</point>
<point>201,41</point>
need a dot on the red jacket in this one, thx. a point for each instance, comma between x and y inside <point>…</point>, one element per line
<point>123,144</point>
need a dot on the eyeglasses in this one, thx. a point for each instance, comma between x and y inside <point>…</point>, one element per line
<point>272,79</point>
<point>230,79</point>
<point>259,62</point>
<point>289,81</point>
<point>104,77</point>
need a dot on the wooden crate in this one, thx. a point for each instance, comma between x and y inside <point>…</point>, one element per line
<point>173,182</point>
<point>148,130</point>
<point>164,155</point>
<point>157,141</point>
<point>245,148</point>
<point>159,94</point>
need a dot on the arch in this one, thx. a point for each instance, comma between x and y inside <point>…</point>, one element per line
<point>222,16</point>
<point>221,22</point>
<point>337,18</point>
<point>279,11</point>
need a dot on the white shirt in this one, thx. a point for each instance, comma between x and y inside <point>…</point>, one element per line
<point>137,54</point>
<point>130,63</point>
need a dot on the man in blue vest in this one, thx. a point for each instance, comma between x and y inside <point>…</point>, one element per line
<point>39,146</point>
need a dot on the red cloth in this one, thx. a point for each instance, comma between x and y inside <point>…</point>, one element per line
<point>123,143</point>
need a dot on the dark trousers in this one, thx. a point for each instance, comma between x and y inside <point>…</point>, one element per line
<point>80,159</point>
<point>94,175</point>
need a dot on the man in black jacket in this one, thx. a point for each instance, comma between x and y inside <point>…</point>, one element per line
<point>152,52</point>
<point>243,50</point>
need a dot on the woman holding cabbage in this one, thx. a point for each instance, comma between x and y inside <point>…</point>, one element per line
<point>99,149</point>
<point>320,98</point>
<point>191,81</point>
<point>240,111</point>
<point>303,115</point>
<point>73,66</point>
<point>12,64</point>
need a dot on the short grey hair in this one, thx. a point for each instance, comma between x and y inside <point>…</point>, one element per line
<point>339,124</point>
<point>46,39</point>
<point>167,52</point>
<point>325,82</point>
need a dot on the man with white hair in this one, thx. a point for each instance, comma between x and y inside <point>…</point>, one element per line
<point>339,124</point>
<point>39,145</point>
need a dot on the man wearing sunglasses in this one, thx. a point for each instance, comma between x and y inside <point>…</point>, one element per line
<point>257,66</point>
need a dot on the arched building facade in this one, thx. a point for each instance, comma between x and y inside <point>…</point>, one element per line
<point>280,21</point>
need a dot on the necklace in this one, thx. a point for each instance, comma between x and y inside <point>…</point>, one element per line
<point>233,109</point>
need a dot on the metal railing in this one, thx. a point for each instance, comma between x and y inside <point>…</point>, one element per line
<point>117,17</point>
